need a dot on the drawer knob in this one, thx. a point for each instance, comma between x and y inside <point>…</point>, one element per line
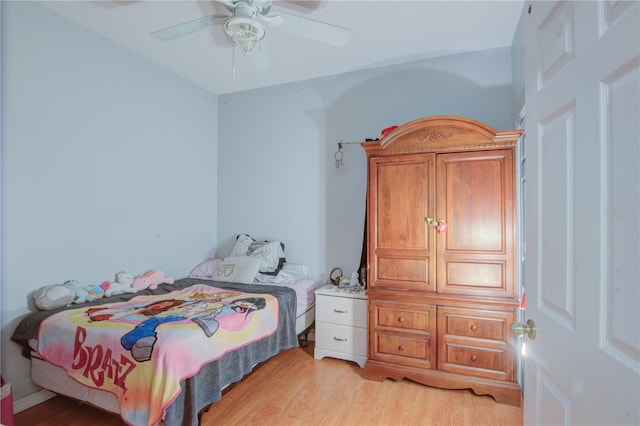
<point>474,327</point>
<point>339,311</point>
<point>474,358</point>
<point>401,348</point>
<point>338,339</point>
<point>400,319</point>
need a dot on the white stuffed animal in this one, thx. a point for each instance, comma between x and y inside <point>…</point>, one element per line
<point>121,285</point>
<point>53,297</point>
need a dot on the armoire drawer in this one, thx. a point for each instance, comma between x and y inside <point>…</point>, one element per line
<point>477,323</point>
<point>406,350</point>
<point>404,317</point>
<point>482,361</point>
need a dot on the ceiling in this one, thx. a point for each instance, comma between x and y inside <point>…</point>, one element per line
<point>381,33</point>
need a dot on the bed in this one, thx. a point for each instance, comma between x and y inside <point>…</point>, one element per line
<point>290,300</point>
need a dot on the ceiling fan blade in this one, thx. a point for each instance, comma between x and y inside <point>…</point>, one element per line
<point>189,27</point>
<point>114,3</point>
<point>307,4</point>
<point>315,30</point>
<point>262,57</point>
<point>230,4</point>
<point>272,19</point>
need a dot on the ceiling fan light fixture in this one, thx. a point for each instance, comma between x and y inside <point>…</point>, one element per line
<point>245,32</point>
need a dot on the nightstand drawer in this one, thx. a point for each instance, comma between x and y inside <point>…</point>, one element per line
<point>341,338</point>
<point>341,310</point>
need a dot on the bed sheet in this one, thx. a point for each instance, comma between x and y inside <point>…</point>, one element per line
<point>305,293</point>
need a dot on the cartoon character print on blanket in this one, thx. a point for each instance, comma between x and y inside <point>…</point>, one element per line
<point>207,310</point>
<point>136,349</point>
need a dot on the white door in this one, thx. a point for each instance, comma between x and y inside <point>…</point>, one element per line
<point>582,212</point>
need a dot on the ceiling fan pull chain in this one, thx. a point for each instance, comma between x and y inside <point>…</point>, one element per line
<point>233,61</point>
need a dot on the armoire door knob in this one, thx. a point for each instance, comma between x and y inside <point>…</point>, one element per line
<point>440,224</point>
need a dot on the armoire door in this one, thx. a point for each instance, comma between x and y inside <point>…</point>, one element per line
<point>475,196</point>
<point>402,195</point>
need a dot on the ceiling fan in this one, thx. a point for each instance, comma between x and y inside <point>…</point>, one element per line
<point>244,25</point>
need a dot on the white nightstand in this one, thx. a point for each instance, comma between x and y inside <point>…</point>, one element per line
<point>341,324</point>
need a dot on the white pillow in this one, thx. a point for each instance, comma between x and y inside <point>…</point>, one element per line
<point>206,270</point>
<point>240,248</point>
<point>237,269</point>
<point>271,253</point>
<point>290,274</point>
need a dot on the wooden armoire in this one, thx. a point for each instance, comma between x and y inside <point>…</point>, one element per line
<point>441,301</point>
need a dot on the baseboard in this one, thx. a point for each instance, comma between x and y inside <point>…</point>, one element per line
<point>32,400</point>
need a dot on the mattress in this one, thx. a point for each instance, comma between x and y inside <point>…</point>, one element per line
<point>305,293</point>
<point>54,378</point>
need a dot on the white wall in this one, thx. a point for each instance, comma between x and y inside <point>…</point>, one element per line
<point>517,65</point>
<point>276,147</point>
<point>108,163</point>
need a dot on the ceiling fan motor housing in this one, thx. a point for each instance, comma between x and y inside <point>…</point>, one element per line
<point>243,28</point>
<point>245,9</point>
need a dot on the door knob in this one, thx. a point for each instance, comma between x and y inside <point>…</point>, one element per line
<point>440,224</point>
<point>529,329</point>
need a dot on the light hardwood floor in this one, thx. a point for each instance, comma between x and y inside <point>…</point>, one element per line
<point>295,389</point>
